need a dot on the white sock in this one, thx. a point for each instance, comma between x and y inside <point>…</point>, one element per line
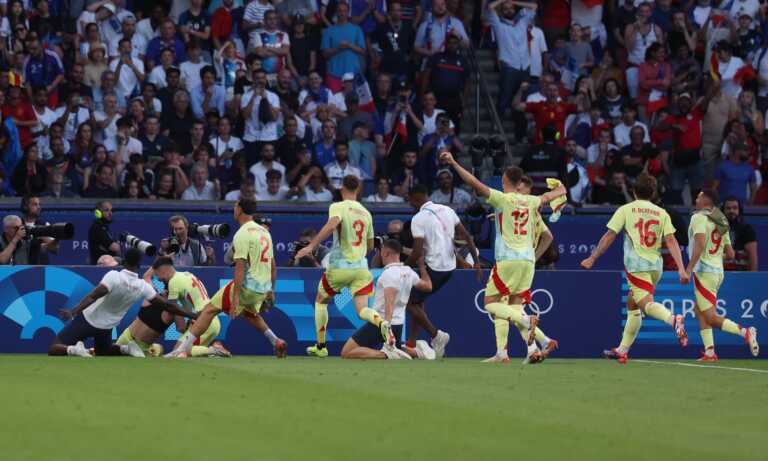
<point>532,348</point>
<point>71,350</point>
<point>623,350</point>
<point>189,341</point>
<point>271,336</point>
<point>124,349</point>
<point>545,341</point>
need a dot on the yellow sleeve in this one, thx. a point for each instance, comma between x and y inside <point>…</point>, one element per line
<point>698,224</point>
<point>241,245</point>
<point>617,221</point>
<point>534,202</point>
<point>496,198</point>
<point>369,234</point>
<point>727,239</point>
<point>669,228</point>
<point>336,211</point>
<point>174,288</point>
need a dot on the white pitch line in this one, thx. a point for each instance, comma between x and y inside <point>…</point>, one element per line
<point>693,365</point>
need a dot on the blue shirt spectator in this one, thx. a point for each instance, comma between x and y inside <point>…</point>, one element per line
<point>343,44</point>
<point>735,176</point>
<point>216,101</point>
<point>42,68</point>
<point>166,39</point>
<point>322,154</point>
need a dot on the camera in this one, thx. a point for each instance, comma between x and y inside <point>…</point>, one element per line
<point>402,99</point>
<point>209,231</point>
<point>498,150</point>
<point>132,241</point>
<point>173,244</point>
<point>478,147</point>
<point>58,231</point>
<point>263,221</point>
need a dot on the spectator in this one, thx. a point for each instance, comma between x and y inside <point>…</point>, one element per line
<point>616,192</point>
<point>225,144</point>
<point>152,141</point>
<point>122,145</point>
<point>166,39</point>
<point>253,18</point>
<point>303,49</point>
<point>260,108</point>
<point>638,36</point>
<point>732,71</point>
<point>158,76</point>
<point>325,149</point>
<point>313,186</point>
<point>735,177</point>
<point>655,78</point>
<point>272,45</point>
<point>743,238</point>
<point>71,115</point>
<point>178,122</point>
<point>394,39</point>
<point>191,251</point>
<point>340,167</point>
<point>720,110</point>
<point>246,191</point>
<point>195,24</point>
<point>442,139</point>
<point>383,194</point>
<point>635,154</point>
<point>129,71</point>
<point>276,190</point>
<point>191,67</point>
<point>407,175</point>
<point>343,45</point>
<point>136,172</point>
<point>621,132</point>
<point>447,74</point>
<point>103,187</point>
<point>580,57</point>
<point>15,248</point>
<point>447,193</point>
<point>551,111</point>
<point>546,160</point>
<point>164,188</point>
<point>229,67</point>
<point>362,152</point>
<point>30,175</point>
<point>138,42</point>
<point>208,95</point>
<point>60,162</point>
<point>56,187</point>
<point>266,164</point>
<point>354,116</point>
<point>43,68</point>
<point>20,111</point>
<point>75,84</point>
<point>94,67</point>
<point>292,152</point>
<point>316,95</point>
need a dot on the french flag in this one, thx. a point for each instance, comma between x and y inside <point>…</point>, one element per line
<point>362,89</point>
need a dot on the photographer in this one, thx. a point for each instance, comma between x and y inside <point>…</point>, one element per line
<point>315,258</point>
<point>190,251</point>
<point>15,248</point>
<point>32,209</point>
<point>100,239</point>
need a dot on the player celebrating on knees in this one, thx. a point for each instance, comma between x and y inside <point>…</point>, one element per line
<point>104,307</point>
<point>254,279</point>
<point>185,288</point>
<point>512,275</point>
<point>392,291</point>
<point>352,229</point>
<point>434,227</point>
<point>709,237</point>
<point>645,226</point>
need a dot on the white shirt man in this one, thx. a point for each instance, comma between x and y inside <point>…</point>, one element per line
<point>390,198</point>
<point>190,73</point>
<point>403,279</point>
<point>457,196</point>
<point>125,288</point>
<point>254,129</point>
<point>139,46</point>
<point>259,172</point>
<point>436,224</point>
<point>537,48</point>
<point>132,146</point>
<point>220,146</point>
<point>335,173</point>
<point>157,77</point>
<point>127,81</point>
<point>74,120</point>
<point>621,133</point>
<point>208,192</point>
<point>266,196</point>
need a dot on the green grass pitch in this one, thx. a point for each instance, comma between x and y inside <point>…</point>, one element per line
<point>261,408</point>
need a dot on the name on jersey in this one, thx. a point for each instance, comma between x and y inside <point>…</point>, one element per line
<point>356,211</point>
<point>646,211</point>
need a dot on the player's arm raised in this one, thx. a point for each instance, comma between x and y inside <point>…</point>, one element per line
<point>674,250</point>
<point>602,246</point>
<point>558,191</point>
<point>481,189</point>
<point>321,236</point>
<point>98,292</point>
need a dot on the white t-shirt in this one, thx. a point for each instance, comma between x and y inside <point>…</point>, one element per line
<point>537,48</point>
<point>110,130</point>
<point>138,46</point>
<point>254,129</point>
<point>336,173</point>
<point>74,120</point>
<point>436,224</point>
<point>391,198</point>
<point>133,146</point>
<point>402,278</point>
<point>429,124</point>
<point>739,7</point>
<point>232,196</point>
<point>190,73</point>
<point>220,146</point>
<point>144,28</point>
<point>125,289</point>
<point>127,82</point>
<point>282,194</point>
<point>157,77</point>
<point>208,193</point>
<point>44,119</point>
<point>621,133</point>
<point>259,172</point>
<point>311,196</point>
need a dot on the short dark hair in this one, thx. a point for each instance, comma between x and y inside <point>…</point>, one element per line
<point>393,245</point>
<point>351,183</point>
<point>645,186</point>
<point>514,175</point>
<point>341,142</point>
<point>124,122</point>
<point>248,206</point>
<point>162,261</point>
<point>418,189</point>
<point>207,70</point>
<point>527,181</point>
<point>274,174</point>
<point>712,195</point>
<point>132,258</point>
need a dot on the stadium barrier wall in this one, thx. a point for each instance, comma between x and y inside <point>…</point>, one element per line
<point>582,310</point>
<point>575,235</point>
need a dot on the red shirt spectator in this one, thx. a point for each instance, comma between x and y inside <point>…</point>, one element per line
<point>221,24</point>
<point>654,76</point>
<point>23,116</point>
<point>550,112</point>
<point>687,127</point>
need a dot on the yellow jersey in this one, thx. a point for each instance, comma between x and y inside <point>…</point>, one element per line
<point>516,225</point>
<point>714,243</point>
<point>187,289</point>
<point>645,225</point>
<point>253,243</point>
<point>350,238</point>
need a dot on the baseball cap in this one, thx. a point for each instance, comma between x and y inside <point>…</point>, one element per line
<point>349,76</point>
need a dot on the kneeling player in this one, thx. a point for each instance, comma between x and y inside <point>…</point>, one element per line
<point>104,307</point>
<point>352,229</point>
<point>255,274</point>
<point>709,239</point>
<point>392,292</point>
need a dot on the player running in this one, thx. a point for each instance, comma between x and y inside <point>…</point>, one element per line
<point>513,273</point>
<point>645,226</point>
<point>709,240</point>
<point>251,288</point>
<point>185,288</point>
<point>392,291</point>
<point>352,229</point>
<point>104,307</point>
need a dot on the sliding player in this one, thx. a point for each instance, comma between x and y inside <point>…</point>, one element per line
<point>188,290</point>
<point>104,307</point>
<point>709,239</point>
<point>393,289</point>
<point>512,275</point>
<point>254,279</point>
<point>645,226</point>
<point>352,229</point>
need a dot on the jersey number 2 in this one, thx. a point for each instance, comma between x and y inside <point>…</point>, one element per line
<point>264,242</point>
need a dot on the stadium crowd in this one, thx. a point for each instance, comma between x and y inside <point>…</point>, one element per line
<point>280,100</point>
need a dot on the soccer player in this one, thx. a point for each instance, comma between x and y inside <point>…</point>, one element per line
<point>104,307</point>
<point>645,226</point>
<point>512,275</point>
<point>433,228</point>
<point>251,288</point>
<point>352,229</point>
<point>393,289</point>
<point>188,290</point>
<point>710,239</point>
<point>542,240</point>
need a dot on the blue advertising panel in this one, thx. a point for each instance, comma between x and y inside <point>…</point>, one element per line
<point>582,310</point>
